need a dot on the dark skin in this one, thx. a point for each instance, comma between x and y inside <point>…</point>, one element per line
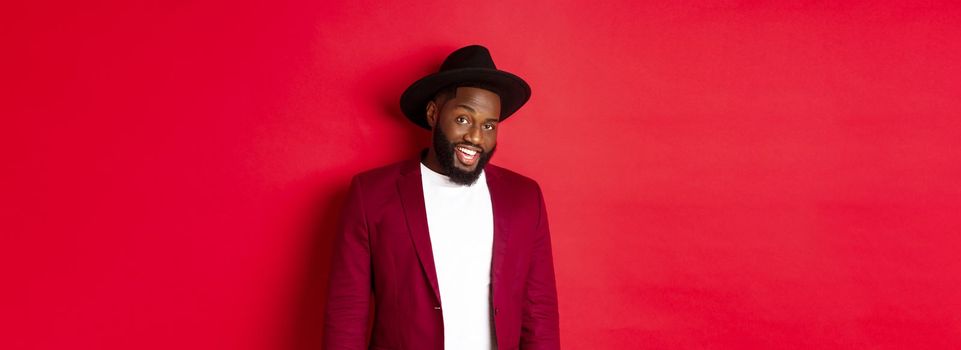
<point>469,118</point>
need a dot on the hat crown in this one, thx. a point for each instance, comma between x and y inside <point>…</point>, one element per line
<point>474,56</point>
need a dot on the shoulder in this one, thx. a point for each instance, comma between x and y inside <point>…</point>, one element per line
<point>511,179</point>
<point>383,177</point>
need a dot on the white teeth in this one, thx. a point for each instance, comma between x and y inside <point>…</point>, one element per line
<point>468,151</point>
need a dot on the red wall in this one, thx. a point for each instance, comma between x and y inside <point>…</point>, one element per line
<point>735,175</point>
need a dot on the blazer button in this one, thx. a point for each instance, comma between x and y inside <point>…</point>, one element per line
<point>496,311</point>
<point>436,307</point>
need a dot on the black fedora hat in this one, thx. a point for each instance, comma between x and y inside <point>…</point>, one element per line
<point>468,66</point>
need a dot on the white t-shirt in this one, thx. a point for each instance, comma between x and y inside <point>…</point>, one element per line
<point>461,225</point>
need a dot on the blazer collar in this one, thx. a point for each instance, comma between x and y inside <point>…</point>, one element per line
<point>412,198</point>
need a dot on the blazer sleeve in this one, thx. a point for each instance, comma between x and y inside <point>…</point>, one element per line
<point>540,327</point>
<point>349,284</point>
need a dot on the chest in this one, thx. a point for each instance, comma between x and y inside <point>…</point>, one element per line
<point>461,223</point>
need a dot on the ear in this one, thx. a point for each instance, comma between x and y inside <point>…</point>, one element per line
<point>432,114</point>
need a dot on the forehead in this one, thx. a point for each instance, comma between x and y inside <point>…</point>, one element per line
<point>481,100</point>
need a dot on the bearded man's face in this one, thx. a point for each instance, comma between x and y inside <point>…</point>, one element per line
<point>465,132</point>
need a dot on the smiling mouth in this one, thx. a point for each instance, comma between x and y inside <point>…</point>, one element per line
<point>467,156</point>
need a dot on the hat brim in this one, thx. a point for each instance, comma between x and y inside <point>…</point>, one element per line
<point>513,91</point>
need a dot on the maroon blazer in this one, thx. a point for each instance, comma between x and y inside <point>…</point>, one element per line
<point>382,251</point>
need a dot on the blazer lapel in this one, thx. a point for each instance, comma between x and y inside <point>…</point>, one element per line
<point>500,201</point>
<point>411,191</point>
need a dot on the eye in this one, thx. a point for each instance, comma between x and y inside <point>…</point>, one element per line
<point>460,120</point>
<point>489,126</point>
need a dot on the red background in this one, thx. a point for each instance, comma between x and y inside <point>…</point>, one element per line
<point>734,174</point>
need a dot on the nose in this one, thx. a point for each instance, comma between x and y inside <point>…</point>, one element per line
<point>474,135</point>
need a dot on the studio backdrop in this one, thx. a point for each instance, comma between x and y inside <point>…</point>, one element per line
<point>718,174</point>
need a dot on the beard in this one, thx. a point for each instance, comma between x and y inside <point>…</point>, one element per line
<point>445,155</point>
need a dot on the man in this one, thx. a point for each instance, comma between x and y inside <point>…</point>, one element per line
<point>455,252</point>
